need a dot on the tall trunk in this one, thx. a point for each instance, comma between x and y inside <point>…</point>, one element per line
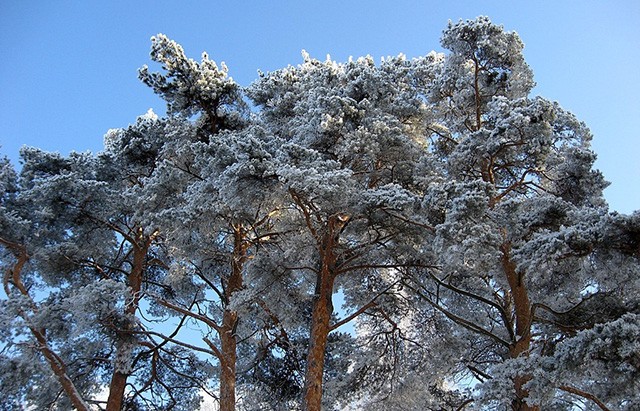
<point>228,363</point>
<point>322,310</point>
<point>126,343</point>
<point>228,342</point>
<point>522,344</point>
<point>321,317</point>
<point>116,390</point>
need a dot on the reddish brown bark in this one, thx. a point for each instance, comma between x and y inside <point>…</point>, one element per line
<point>119,377</point>
<point>585,395</point>
<point>322,310</point>
<point>116,390</point>
<point>522,343</point>
<point>321,316</point>
<point>228,341</point>
<point>228,362</point>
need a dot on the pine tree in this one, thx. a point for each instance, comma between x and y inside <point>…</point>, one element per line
<point>459,218</point>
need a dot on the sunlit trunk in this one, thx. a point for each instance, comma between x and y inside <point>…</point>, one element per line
<point>322,309</point>
<point>228,365</point>
<point>320,319</point>
<point>319,334</point>
<point>522,308</point>
<point>228,339</point>
<point>116,391</point>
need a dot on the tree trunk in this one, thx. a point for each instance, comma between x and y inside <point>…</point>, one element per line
<point>126,343</point>
<point>228,363</point>
<point>116,390</point>
<point>228,342</point>
<point>322,310</point>
<point>522,343</point>
<point>321,317</point>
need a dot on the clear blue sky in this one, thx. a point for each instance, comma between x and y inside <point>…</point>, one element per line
<point>69,68</point>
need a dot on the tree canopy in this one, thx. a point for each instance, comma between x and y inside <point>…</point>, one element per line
<point>414,234</point>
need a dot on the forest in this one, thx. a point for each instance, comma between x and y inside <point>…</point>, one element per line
<point>412,234</point>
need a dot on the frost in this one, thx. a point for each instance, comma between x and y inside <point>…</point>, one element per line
<point>457,221</point>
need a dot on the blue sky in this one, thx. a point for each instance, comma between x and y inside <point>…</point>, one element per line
<point>69,68</point>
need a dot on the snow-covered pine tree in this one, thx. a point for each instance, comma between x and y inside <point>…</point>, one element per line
<point>352,135</point>
<point>459,217</point>
<point>76,299</point>
<point>520,225</point>
<point>225,196</point>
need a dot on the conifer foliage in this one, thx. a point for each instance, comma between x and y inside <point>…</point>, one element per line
<point>417,234</point>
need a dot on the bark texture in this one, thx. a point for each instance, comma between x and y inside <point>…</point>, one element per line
<point>522,343</point>
<point>228,340</point>
<point>124,342</point>
<point>321,315</point>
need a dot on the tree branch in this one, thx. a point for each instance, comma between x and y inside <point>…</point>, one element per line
<point>408,221</point>
<point>459,320</point>
<point>187,312</point>
<point>348,318</point>
<point>586,395</point>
